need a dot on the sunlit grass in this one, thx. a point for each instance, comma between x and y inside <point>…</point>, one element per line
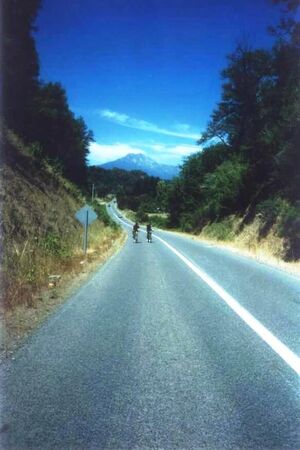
<point>28,265</point>
<point>269,249</point>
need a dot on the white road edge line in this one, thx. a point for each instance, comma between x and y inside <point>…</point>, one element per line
<point>281,349</point>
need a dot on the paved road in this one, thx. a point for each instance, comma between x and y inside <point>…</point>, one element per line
<point>148,355</point>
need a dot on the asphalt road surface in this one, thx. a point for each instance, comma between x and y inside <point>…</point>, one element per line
<point>172,344</point>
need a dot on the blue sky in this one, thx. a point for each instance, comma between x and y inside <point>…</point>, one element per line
<point>145,74</point>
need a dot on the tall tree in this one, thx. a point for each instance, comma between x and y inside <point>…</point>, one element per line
<point>239,117</point>
<point>291,5</point>
<point>62,137</point>
<point>257,127</point>
<point>286,102</point>
<point>20,64</point>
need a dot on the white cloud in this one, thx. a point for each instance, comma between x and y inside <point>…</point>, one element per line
<point>101,153</point>
<point>183,130</point>
<point>162,153</point>
<point>171,150</point>
<point>156,147</point>
<point>183,150</point>
<point>183,127</point>
<point>174,155</point>
<point>114,116</point>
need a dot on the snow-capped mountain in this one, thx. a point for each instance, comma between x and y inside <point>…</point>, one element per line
<point>138,161</point>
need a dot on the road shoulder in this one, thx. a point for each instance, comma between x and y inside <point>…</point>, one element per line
<point>18,324</point>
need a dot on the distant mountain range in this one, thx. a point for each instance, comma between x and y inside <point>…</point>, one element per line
<point>138,161</point>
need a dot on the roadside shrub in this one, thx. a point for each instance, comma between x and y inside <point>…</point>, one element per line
<point>103,215</point>
<point>289,229</point>
<point>286,218</point>
<point>187,222</point>
<point>148,203</point>
<point>141,215</point>
<point>54,244</point>
<point>221,231</point>
<point>159,221</point>
<point>222,188</point>
<point>268,212</point>
<point>35,150</point>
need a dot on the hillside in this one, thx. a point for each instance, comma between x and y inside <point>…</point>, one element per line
<point>145,164</point>
<point>133,189</point>
<point>40,236</point>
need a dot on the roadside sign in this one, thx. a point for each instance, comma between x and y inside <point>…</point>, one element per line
<point>86,216</point>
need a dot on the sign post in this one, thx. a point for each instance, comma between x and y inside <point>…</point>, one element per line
<point>86,216</point>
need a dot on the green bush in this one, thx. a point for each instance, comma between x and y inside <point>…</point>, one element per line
<point>289,229</point>
<point>270,209</point>
<point>287,219</point>
<point>187,222</point>
<point>54,245</point>
<point>35,150</point>
<point>141,215</point>
<point>159,222</point>
<point>103,215</point>
<point>221,231</point>
<point>222,188</point>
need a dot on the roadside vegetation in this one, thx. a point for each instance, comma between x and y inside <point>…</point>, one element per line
<point>134,190</point>
<point>243,185</point>
<point>41,240</point>
<point>44,182</point>
<point>246,177</point>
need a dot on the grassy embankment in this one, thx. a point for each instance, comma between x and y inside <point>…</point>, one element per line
<point>253,239</point>
<point>41,238</point>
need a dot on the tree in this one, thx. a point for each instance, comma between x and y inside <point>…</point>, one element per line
<point>223,189</point>
<point>258,116</point>
<point>176,204</point>
<point>239,116</point>
<point>162,192</point>
<point>20,63</point>
<point>63,137</point>
<point>286,101</point>
<point>254,133</point>
<point>291,5</point>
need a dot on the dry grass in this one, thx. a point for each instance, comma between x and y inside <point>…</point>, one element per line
<point>28,267</point>
<point>41,238</point>
<point>22,320</point>
<point>269,250</point>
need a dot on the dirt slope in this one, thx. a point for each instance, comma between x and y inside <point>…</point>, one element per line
<point>40,237</point>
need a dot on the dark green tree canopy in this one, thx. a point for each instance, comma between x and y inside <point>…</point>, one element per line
<point>63,138</point>
<point>20,63</point>
<point>251,155</point>
<point>38,112</point>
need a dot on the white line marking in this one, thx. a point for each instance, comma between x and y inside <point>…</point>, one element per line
<point>281,349</point>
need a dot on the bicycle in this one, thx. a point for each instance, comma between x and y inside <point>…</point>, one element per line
<point>135,234</point>
<point>149,236</point>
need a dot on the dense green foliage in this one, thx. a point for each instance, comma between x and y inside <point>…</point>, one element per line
<point>36,111</point>
<point>103,215</point>
<point>250,163</point>
<point>134,189</point>
<point>20,63</point>
<point>62,137</point>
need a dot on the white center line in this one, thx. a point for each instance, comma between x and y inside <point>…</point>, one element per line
<point>281,349</point>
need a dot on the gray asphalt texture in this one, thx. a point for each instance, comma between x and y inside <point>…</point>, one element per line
<point>146,355</point>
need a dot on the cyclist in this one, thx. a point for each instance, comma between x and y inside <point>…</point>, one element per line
<point>149,232</point>
<point>135,230</point>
